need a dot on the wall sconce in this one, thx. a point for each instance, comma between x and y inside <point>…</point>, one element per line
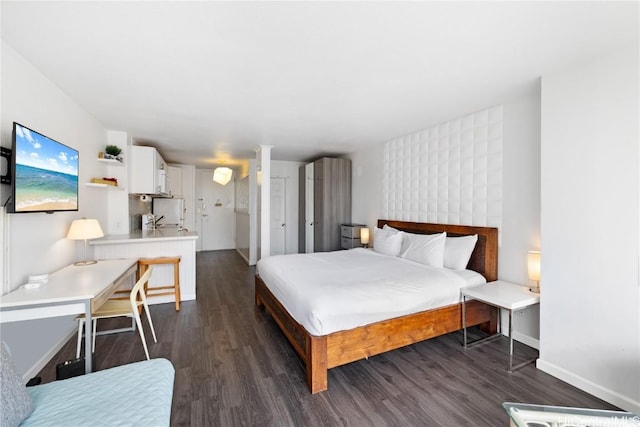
<point>222,175</point>
<point>533,266</point>
<point>364,237</point>
<point>85,229</point>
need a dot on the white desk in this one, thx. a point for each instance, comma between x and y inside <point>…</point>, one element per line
<point>72,290</point>
<point>502,295</point>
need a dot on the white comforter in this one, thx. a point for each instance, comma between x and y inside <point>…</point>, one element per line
<point>332,291</point>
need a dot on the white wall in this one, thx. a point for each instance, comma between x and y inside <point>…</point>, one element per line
<point>366,185</point>
<point>520,231</point>
<point>590,322</point>
<point>118,201</point>
<point>243,218</point>
<point>289,171</point>
<point>263,174</point>
<point>37,242</point>
<point>254,222</point>
<point>520,202</point>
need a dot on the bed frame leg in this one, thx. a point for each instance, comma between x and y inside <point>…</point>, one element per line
<point>316,364</point>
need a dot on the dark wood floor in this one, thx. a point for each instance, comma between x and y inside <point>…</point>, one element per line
<point>234,367</point>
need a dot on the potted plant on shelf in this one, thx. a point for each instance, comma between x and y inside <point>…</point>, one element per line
<point>113,152</point>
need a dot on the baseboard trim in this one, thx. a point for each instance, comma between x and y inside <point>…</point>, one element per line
<point>243,256</point>
<point>623,402</point>
<point>526,339</point>
<point>42,362</point>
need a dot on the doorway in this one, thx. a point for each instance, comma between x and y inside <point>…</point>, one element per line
<point>215,221</point>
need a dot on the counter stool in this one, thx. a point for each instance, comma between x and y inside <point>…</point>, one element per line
<point>143,265</point>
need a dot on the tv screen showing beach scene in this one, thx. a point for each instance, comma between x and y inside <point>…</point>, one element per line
<point>45,173</point>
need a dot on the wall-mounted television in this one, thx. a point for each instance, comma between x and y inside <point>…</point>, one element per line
<point>44,173</point>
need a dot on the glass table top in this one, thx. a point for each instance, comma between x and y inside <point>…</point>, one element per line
<point>527,415</point>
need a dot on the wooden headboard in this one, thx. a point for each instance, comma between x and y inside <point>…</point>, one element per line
<point>484,258</point>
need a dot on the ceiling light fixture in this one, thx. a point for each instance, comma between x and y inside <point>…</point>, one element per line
<point>222,175</point>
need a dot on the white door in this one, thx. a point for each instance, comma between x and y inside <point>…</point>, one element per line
<point>278,216</point>
<point>215,221</point>
<point>308,207</point>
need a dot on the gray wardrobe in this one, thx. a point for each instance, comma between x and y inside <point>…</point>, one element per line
<point>325,204</point>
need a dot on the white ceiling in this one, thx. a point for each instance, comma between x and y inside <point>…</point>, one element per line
<point>205,81</point>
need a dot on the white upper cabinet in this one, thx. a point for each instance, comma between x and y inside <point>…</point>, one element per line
<point>174,181</point>
<point>148,171</point>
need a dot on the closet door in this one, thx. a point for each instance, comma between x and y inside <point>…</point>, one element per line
<point>332,201</point>
<point>341,194</point>
<point>302,213</point>
<point>309,220</point>
<point>321,200</point>
<point>306,211</point>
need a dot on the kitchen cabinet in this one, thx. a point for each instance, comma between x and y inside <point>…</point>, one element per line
<point>148,171</point>
<point>174,181</point>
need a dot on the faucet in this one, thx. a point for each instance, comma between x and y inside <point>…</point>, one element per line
<point>155,223</point>
<point>150,221</point>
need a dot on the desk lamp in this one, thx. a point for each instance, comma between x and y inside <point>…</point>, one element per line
<point>85,229</point>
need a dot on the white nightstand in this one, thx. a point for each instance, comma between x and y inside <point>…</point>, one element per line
<point>502,295</point>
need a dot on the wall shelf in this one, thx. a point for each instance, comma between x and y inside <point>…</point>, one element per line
<point>111,162</point>
<point>111,187</point>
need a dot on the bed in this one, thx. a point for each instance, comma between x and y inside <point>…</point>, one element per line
<point>322,352</point>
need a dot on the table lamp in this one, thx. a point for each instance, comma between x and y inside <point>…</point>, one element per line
<point>85,229</point>
<point>533,266</point>
<point>364,237</point>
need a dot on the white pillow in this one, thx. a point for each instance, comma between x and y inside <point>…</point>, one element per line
<point>424,248</point>
<point>388,228</point>
<point>387,242</point>
<point>457,251</point>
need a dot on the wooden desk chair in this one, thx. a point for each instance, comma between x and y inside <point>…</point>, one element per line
<point>121,308</point>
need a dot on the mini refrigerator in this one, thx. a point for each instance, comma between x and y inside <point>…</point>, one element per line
<point>168,212</point>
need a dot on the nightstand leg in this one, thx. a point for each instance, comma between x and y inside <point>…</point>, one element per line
<point>464,322</point>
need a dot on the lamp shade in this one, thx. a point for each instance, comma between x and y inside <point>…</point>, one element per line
<point>364,236</point>
<point>533,265</point>
<point>222,175</point>
<point>83,229</point>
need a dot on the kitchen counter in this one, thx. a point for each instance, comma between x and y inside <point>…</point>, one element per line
<point>163,242</point>
<point>146,236</point>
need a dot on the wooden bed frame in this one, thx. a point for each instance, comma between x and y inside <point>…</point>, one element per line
<point>321,353</point>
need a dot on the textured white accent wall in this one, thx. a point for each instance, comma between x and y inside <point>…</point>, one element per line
<point>450,173</point>
<point>520,223</point>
